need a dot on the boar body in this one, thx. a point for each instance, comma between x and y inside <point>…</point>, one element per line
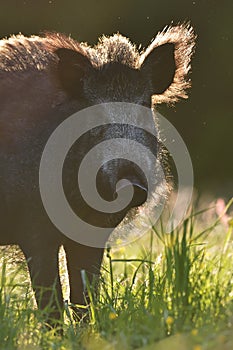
<point>44,80</point>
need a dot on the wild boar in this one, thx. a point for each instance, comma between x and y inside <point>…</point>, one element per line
<point>44,80</point>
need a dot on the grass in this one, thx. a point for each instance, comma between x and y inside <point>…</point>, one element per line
<point>162,291</point>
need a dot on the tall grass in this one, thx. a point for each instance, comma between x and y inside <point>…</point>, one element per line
<point>160,286</point>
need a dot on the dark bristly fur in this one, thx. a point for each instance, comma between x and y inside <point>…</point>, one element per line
<point>44,80</point>
<point>22,53</point>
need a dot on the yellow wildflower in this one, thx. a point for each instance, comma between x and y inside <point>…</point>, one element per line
<point>194,332</point>
<point>169,320</point>
<point>112,315</point>
<point>197,347</point>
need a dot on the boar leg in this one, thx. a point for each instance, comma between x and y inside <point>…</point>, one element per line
<point>81,257</point>
<point>44,272</point>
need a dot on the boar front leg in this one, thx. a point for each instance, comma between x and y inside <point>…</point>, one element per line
<point>42,261</point>
<point>81,257</point>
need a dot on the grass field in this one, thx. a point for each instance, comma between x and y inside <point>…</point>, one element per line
<point>164,291</point>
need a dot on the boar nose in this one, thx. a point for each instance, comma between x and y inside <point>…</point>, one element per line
<point>140,190</point>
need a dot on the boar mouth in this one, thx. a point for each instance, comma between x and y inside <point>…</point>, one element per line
<point>140,191</point>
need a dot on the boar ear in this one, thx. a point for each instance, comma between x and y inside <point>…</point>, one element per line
<point>168,60</point>
<point>72,66</point>
<point>160,64</point>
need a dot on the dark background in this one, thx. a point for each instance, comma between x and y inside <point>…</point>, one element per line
<point>205,120</point>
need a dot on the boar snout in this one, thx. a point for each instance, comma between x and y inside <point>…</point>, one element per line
<point>129,174</point>
<point>119,175</point>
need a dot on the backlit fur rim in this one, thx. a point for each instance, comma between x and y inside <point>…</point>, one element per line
<point>183,37</point>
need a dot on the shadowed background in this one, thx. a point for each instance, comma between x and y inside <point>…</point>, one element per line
<point>205,121</point>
